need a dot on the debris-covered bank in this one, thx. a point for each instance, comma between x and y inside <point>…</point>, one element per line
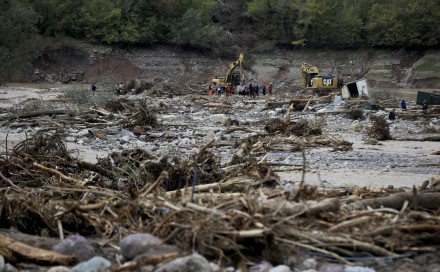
<point>156,181</point>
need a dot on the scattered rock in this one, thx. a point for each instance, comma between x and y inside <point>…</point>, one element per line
<point>2,263</point>
<point>83,133</point>
<point>70,139</point>
<point>358,269</point>
<point>95,264</point>
<point>138,243</point>
<point>218,119</point>
<point>310,263</point>
<point>280,268</point>
<point>331,268</point>
<point>10,268</point>
<point>192,263</point>
<point>59,269</point>
<point>76,245</point>
<point>124,139</point>
<point>127,133</point>
<point>138,130</point>
<point>261,267</point>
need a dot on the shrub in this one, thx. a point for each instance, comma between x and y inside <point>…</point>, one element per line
<point>355,114</point>
<point>380,129</point>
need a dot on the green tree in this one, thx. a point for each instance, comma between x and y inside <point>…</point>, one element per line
<point>176,8</point>
<point>421,23</point>
<point>331,23</point>
<point>20,43</point>
<point>384,28</point>
<point>48,23</point>
<point>348,25</point>
<point>405,23</point>
<point>120,22</point>
<point>192,30</point>
<point>277,18</point>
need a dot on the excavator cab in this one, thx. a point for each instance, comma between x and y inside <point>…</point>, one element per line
<point>235,79</point>
<point>307,74</point>
<point>312,80</point>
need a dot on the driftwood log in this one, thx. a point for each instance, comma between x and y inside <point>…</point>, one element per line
<point>429,201</point>
<point>13,250</point>
<point>33,114</point>
<point>286,208</point>
<point>96,168</point>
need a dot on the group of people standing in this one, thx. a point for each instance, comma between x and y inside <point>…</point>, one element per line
<point>251,90</point>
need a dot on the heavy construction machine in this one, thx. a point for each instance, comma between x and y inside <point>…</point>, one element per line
<point>232,77</point>
<point>312,80</point>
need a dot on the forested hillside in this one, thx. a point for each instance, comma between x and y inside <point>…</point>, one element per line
<point>220,27</point>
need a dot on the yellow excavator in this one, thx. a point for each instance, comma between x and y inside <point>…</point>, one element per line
<point>312,80</point>
<point>232,77</point>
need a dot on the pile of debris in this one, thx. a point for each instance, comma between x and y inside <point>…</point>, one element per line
<point>233,215</point>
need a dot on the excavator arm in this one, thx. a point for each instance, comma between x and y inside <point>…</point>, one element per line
<point>232,67</point>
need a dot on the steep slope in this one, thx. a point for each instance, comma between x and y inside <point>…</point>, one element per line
<point>382,68</point>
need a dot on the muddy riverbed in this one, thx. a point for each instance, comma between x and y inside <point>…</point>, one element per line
<point>341,157</point>
<point>187,122</point>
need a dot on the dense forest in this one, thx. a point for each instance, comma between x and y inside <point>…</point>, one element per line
<point>28,27</point>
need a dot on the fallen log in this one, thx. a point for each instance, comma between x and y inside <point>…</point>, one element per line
<point>350,223</point>
<point>420,228</point>
<point>58,174</point>
<point>13,251</point>
<point>286,208</point>
<point>236,185</point>
<point>101,111</point>
<point>214,197</point>
<point>429,201</point>
<point>418,114</point>
<point>33,114</point>
<point>356,245</point>
<point>330,112</point>
<point>217,105</point>
<point>95,168</point>
<point>299,100</point>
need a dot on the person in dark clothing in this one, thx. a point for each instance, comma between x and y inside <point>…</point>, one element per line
<point>93,87</point>
<point>219,89</point>
<point>251,90</point>
<point>264,89</point>
<point>425,105</point>
<point>340,82</point>
<point>403,104</point>
<point>392,115</point>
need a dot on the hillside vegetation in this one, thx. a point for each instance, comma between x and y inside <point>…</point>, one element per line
<point>219,27</point>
